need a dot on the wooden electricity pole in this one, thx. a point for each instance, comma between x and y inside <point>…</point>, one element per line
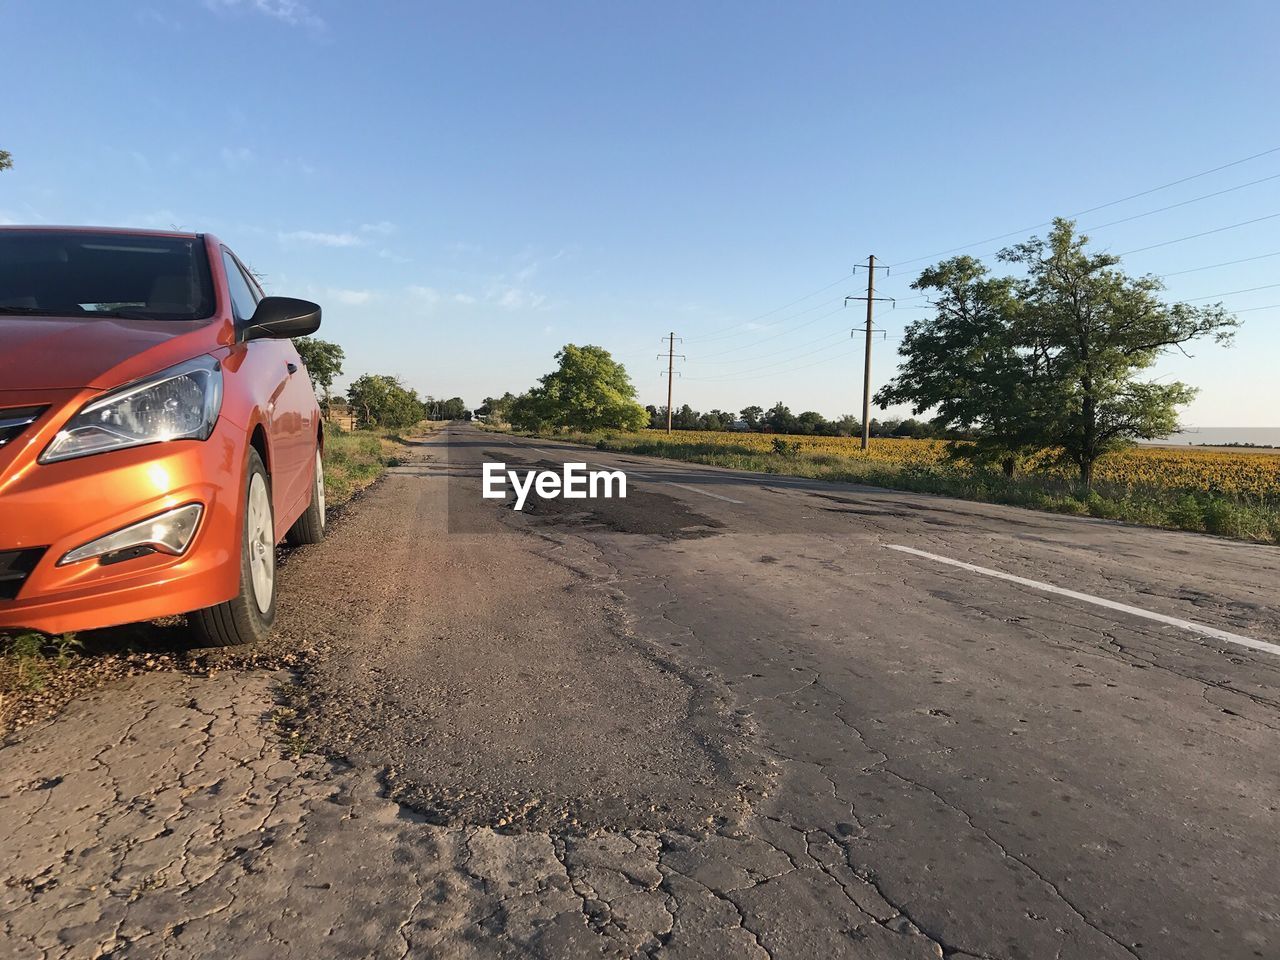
<point>871,298</point>
<point>866,367</point>
<point>671,339</point>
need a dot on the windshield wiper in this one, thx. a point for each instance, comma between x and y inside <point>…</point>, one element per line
<point>30,311</point>
<point>116,314</point>
<point>130,315</point>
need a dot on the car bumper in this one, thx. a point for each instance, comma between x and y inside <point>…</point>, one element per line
<point>60,506</point>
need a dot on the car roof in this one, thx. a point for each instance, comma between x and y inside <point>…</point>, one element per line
<point>123,231</point>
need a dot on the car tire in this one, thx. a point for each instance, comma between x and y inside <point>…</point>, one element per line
<point>247,617</point>
<point>309,528</point>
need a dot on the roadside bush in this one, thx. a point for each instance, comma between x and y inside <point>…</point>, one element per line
<point>1228,519</point>
<point>1187,513</point>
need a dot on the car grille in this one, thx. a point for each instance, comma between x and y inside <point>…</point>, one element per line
<point>15,567</point>
<point>13,420</point>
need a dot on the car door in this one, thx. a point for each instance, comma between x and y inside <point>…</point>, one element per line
<point>290,425</point>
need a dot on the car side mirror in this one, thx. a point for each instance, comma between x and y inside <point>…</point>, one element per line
<point>282,318</point>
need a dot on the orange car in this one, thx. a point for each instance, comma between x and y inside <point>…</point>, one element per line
<point>158,433</point>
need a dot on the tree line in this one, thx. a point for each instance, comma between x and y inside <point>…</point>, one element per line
<point>780,419</point>
<point>589,390</point>
<point>373,399</point>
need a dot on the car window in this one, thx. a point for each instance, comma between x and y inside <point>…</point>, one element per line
<point>70,273</point>
<point>243,301</point>
<point>255,288</point>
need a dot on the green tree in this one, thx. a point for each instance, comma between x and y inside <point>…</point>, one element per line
<point>323,361</point>
<point>810,422</point>
<point>6,161</point>
<point>1049,361</point>
<point>451,409</point>
<point>964,363</point>
<point>717,420</point>
<point>780,419</point>
<point>382,401</point>
<point>686,418</point>
<point>529,412</point>
<point>751,416</point>
<point>589,390</point>
<point>846,425</point>
<point>497,409</point>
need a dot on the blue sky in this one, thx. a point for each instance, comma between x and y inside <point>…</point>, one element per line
<point>468,186</point>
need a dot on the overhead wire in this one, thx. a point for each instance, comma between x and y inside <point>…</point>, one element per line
<point>1094,209</point>
<point>730,331</point>
<point>807,343</point>
<point>775,336</point>
<point>806,366</point>
<point>1231,293</point>
<point>1195,236</point>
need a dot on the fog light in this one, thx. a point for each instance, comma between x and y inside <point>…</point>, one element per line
<point>170,532</point>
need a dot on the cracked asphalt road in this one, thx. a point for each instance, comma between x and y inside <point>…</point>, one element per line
<point>719,719</point>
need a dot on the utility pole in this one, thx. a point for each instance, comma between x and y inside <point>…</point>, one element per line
<point>671,363</point>
<point>871,298</point>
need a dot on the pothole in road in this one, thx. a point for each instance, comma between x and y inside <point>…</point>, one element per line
<point>640,512</point>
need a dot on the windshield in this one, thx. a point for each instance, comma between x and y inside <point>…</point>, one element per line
<point>69,273</point>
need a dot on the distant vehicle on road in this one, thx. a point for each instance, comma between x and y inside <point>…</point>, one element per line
<point>158,433</point>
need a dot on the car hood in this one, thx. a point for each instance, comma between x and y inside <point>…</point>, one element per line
<point>57,353</point>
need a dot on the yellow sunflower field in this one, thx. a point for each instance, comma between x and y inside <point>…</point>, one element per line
<point>1166,468</point>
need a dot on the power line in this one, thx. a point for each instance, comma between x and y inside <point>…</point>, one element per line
<point>805,366</point>
<point>785,306</point>
<point>1231,293</point>
<point>775,336</point>
<point>808,343</point>
<point>1174,206</point>
<point>1101,206</point>
<point>1269,306</point>
<point>767,366</point>
<point>1225,263</point>
<point>1194,236</point>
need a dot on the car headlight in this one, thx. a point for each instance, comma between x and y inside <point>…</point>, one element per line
<point>180,403</point>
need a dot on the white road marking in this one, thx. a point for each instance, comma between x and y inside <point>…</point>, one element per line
<point>642,477</point>
<point>1101,602</point>
<point>705,493</point>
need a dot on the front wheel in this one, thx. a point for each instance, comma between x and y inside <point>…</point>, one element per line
<point>247,617</point>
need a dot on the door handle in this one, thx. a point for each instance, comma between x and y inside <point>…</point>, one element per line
<point>293,368</point>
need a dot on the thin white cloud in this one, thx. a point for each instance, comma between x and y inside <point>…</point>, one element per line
<point>349,298</point>
<point>514,298</point>
<point>463,298</point>
<point>535,263</point>
<point>428,295</point>
<point>293,12</point>
<point>393,256</point>
<point>321,238</point>
<point>382,228</point>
